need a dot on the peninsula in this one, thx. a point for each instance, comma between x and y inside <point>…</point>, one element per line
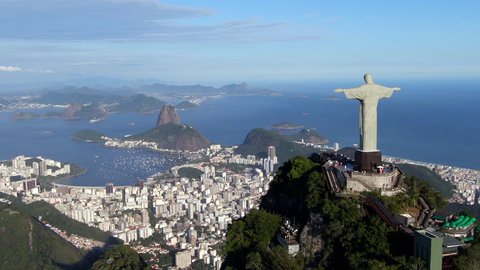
<point>170,134</point>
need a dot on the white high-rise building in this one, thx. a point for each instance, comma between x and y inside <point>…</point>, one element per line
<point>271,151</point>
<point>271,160</point>
<point>336,146</point>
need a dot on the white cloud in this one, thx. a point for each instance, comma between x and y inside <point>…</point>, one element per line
<point>19,69</point>
<point>10,69</point>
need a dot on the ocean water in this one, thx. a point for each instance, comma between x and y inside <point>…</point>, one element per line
<point>51,138</point>
<point>433,121</point>
<point>429,121</point>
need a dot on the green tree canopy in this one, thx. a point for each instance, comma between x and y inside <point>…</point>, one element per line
<point>249,236</point>
<point>120,257</point>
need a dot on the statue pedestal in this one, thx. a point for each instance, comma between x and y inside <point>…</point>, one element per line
<point>368,161</point>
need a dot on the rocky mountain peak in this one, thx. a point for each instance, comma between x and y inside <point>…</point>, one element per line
<point>168,115</point>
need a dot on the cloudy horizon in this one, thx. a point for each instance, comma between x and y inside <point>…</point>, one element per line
<point>219,42</point>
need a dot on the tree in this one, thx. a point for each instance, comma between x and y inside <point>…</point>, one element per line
<point>469,258</point>
<point>297,187</point>
<point>254,261</point>
<point>120,257</point>
<point>250,237</point>
<point>315,190</point>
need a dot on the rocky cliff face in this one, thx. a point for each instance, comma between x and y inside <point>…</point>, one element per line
<point>311,241</point>
<point>168,115</point>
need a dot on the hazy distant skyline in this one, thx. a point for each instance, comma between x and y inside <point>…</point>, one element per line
<point>231,41</point>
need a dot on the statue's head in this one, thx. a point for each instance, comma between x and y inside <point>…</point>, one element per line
<point>368,78</point>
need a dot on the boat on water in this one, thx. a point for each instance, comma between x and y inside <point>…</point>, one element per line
<point>95,120</point>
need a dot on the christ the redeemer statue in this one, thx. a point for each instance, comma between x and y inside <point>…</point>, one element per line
<point>368,95</point>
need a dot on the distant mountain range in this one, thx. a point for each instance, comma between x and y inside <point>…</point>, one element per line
<point>201,90</point>
<point>95,103</point>
<point>108,95</point>
<point>82,95</point>
<point>138,103</point>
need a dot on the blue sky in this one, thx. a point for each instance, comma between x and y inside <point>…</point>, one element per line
<point>217,42</point>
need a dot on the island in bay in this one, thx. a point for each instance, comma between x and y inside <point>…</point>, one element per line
<point>286,125</point>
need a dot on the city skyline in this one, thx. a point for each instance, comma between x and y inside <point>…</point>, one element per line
<point>213,42</point>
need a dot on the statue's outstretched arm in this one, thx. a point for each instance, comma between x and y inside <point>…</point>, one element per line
<point>339,90</point>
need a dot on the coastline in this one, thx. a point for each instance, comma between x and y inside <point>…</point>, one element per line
<point>60,180</point>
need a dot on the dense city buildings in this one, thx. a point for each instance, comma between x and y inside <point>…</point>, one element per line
<point>189,214</point>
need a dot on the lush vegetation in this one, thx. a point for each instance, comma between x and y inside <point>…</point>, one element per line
<point>428,176</point>
<point>248,241</point>
<point>297,188</point>
<point>26,244</point>
<point>415,188</point>
<point>54,217</point>
<point>156,238</point>
<point>309,135</point>
<point>469,258</point>
<point>189,172</point>
<point>91,111</point>
<point>81,95</point>
<point>352,237</point>
<point>259,139</point>
<point>88,135</point>
<point>120,257</point>
<point>171,136</point>
<point>234,167</point>
<point>138,103</point>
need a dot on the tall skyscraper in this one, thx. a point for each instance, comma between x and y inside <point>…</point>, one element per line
<point>271,160</point>
<point>43,168</point>
<point>272,152</point>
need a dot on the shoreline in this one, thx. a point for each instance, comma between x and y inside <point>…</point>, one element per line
<point>62,179</point>
<point>426,163</point>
